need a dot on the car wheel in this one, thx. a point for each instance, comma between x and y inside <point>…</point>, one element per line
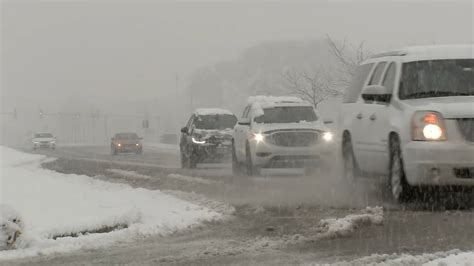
<point>192,159</point>
<point>250,168</point>
<point>236,167</point>
<point>351,169</point>
<point>398,186</point>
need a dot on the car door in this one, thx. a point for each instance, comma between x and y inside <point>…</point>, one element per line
<point>363,143</point>
<point>378,124</point>
<point>240,135</point>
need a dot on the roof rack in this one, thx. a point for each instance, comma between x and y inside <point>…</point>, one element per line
<point>389,53</point>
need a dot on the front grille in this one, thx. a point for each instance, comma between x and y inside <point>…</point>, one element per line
<point>466,126</point>
<point>295,138</point>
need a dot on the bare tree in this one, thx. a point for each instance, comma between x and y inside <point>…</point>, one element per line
<point>349,57</point>
<point>315,87</point>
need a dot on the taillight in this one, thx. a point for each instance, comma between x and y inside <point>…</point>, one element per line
<point>428,125</point>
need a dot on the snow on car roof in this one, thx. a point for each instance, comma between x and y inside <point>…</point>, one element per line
<point>427,52</point>
<point>261,102</point>
<point>212,111</point>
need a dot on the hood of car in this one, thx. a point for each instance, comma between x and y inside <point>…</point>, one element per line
<point>289,126</point>
<point>43,139</point>
<point>449,107</point>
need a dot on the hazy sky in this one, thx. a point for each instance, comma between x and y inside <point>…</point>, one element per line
<point>109,51</point>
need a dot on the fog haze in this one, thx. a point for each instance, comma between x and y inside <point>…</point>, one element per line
<point>122,56</point>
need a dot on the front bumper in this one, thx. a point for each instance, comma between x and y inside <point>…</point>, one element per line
<point>44,145</point>
<point>212,151</point>
<point>269,155</point>
<point>128,148</point>
<point>439,163</point>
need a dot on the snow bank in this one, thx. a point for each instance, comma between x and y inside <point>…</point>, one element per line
<point>212,111</point>
<point>11,227</point>
<point>452,257</point>
<point>192,179</point>
<point>128,174</point>
<point>55,204</point>
<point>337,227</point>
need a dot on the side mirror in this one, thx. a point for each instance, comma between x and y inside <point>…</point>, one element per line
<point>244,122</point>
<point>328,121</point>
<point>376,93</point>
<point>184,130</point>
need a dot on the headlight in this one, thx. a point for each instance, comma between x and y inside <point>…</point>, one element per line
<point>198,141</point>
<point>138,144</point>
<point>428,125</point>
<point>36,142</point>
<point>328,136</point>
<point>259,137</point>
<point>119,144</point>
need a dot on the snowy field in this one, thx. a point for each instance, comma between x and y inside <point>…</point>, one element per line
<point>54,204</point>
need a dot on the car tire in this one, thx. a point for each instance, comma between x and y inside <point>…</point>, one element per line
<point>398,186</point>
<point>251,170</point>
<point>351,169</point>
<point>192,158</point>
<point>236,165</point>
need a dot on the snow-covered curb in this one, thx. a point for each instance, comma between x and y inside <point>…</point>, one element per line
<point>192,179</point>
<point>55,204</point>
<point>452,257</point>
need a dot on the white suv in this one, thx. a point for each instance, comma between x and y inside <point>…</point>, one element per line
<point>409,115</point>
<point>278,132</point>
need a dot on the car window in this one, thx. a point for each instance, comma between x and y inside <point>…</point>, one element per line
<point>246,112</point>
<point>43,135</point>
<point>352,93</point>
<point>126,136</point>
<point>389,79</point>
<point>190,121</point>
<point>375,79</point>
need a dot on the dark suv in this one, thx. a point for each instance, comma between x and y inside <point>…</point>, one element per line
<point>207,137</point>
<point>126,142</point>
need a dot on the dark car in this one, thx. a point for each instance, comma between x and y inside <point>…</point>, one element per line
<point>126,143</point>
<point>207,137</point>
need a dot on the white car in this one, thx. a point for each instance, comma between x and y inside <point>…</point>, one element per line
<point>409,115</point>
<point>279,132</point>
<point>43,140</point>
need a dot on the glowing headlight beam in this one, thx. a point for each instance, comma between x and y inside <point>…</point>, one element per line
<point>328,136</point>
<point>432,132</point>
<point>196,141</point>
<point>259,137</point>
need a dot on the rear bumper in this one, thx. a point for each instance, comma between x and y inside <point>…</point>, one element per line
<point>439,163</point>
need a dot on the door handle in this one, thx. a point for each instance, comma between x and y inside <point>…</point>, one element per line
<point>359,116</point>
<point>373,117</point>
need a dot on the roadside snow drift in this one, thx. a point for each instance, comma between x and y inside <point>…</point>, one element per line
<point>53,204</point>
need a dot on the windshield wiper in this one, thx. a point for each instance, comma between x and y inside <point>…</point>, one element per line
<point>427,94</point>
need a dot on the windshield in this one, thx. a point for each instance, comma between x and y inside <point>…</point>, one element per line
<point>43,135</point>
<point>126,136</point>
<point>437,78</point>
<point>218,122</point>
<point>287,114</point>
